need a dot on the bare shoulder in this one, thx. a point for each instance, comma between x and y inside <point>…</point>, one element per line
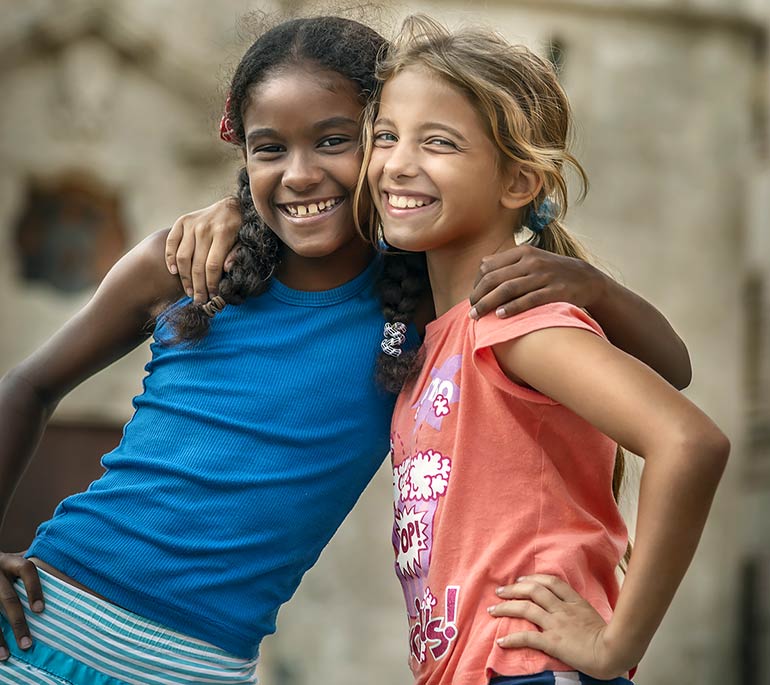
<point>141,279</point>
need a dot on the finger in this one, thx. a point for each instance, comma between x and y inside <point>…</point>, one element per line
<point>491,280</point>
<point>31,579</point>
<point>529,638</point>
<point>14,613</point>
<point>198,269</point>
<point>527,301</point>
<point>231,258</point>
<point>215,265</point>
<point>508,290</point>
<point>173,239</point>
<point>559,587</point>
<point>520,608</point>
<point>184,255</point>
<point>493,262</point>
<point>531,590</point>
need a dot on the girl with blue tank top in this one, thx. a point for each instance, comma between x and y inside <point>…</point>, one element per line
<point>260,421</point>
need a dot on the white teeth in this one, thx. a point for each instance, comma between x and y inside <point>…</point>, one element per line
<point>404,202</point>
<point>313,209</point>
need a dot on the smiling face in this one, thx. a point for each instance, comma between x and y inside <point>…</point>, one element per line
<point>303,157</point>
<point>435,173</point>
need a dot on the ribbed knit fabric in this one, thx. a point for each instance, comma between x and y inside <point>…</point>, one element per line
<point>244,455</point>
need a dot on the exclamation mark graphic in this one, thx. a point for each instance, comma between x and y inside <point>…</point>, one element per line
<point>450,631</point>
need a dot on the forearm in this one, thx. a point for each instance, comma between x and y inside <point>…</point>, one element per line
<point>636,327</point>
<point>23,416</point>
<point>675,497</point>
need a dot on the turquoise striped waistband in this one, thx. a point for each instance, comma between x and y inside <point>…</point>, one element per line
<point>77,626</point>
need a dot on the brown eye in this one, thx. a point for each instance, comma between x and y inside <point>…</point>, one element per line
<point>333,141</point>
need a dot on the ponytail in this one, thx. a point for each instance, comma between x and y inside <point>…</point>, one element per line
<point>554,237</point>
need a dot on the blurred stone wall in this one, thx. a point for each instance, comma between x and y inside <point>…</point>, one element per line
<point>671,101</point>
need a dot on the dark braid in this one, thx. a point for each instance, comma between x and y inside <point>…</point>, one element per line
<point>403,287</point>
<point>255,260</point>
<point>332,43</point>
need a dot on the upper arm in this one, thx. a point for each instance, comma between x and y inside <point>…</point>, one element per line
<point>610,389</point>
<point>118,317</point>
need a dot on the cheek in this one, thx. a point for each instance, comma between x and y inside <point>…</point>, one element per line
<point>259,193</point>
<point>347,169</point>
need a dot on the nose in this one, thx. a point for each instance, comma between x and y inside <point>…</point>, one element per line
<point>301,173</point>
<point>400,162</point>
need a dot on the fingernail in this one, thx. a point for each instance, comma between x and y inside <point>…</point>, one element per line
<point>499,591</point>
<point>490,609</point>
<point>173,270</point>
<point>473,313</point>
<point>189,292</point>
<point>500,311</point>
<point>499,641</point>
<point>25,642</point>
<point>4,654</point>
<point>520,578</point>
<point>38,606</point>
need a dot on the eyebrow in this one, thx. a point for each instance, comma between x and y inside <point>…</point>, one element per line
<point>331,122</point>
<point>428,125</point>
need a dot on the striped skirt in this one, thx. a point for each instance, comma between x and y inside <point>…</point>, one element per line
<point>80,639</point>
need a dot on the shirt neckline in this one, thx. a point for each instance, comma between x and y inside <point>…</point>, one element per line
<point>447,318</point>
<point>325,298</point>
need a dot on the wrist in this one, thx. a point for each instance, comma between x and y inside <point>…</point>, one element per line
<point>599,288</point>
<point>622,649</point>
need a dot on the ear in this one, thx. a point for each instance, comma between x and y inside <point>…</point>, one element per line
<point>521,185</point>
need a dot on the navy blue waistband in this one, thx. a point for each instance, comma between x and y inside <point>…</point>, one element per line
<point>556,678</point>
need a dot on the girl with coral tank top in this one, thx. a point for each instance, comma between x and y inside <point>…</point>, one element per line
<point>505,433</point>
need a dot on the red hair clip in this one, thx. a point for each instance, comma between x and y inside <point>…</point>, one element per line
<point>226,131</point>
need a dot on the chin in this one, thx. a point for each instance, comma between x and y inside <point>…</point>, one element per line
<point>408,243</point>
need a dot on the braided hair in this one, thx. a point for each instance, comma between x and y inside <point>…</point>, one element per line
<point>332,43</point>
<point>404,287</point>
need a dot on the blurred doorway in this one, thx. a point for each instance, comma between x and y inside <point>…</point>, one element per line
<point>67,460</point>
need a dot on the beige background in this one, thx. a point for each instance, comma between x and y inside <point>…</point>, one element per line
<point>671,99</point>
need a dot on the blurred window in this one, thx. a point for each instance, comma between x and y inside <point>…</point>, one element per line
<point>69,233</point>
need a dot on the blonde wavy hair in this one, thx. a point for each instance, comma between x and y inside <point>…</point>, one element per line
<point>526,112</point>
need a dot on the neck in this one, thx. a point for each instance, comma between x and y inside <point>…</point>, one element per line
<point>453,268</point>
<point>324,273</point>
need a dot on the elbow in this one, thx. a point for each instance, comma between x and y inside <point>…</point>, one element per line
<point>682,376</point>
<point>708,448</point>
<point>18,390</point>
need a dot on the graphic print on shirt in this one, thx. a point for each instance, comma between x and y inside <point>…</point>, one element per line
<point>440,393</point>
<point>419,483</point>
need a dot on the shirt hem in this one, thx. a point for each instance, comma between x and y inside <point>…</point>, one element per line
<point>142,604</point>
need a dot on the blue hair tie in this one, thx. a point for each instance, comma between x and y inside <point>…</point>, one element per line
<point>540,218</point>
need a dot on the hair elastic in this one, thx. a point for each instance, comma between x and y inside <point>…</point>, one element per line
<point>395,335</point>
<point>226,130</point>
<point>542,216</point>
<point>215,305</point>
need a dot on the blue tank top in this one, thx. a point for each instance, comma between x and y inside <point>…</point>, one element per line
<point>245,453</point>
